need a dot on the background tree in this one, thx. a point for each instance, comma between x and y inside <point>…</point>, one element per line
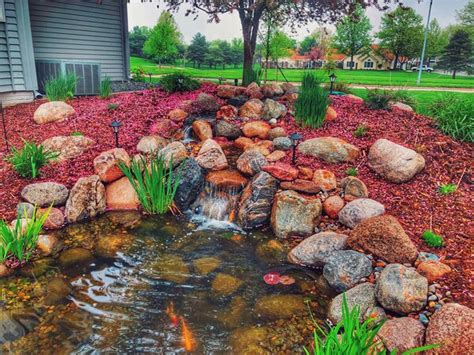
<point>162,44</point>
<point>401,32</point>
<point>237,51</point>
<point>466,18</point>
<point>137,38</point>
<point>198,49</point>
<point>225,53</point>
<point>353,34</point>
<point>213,56</point>
<point>437,41</point>
<point>307,44</point>
<point>458,54</point>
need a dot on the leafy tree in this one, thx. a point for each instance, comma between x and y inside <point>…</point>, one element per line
<point>225,53</point>
<point>137,38</point>
<point>162,45</point>
<point>466,18</point>
<point>437,40</point>
<point>307,44</point>
<point>401,32</point>
<point>213,56</point>
<point>237,51</point>
<point>458,54</point>
<point>353,33</point>
<point>198,49</point>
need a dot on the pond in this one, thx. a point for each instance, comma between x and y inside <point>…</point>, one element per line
<point>167,284</point>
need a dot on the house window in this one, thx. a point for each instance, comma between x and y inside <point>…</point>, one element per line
<point>350,64</point>
<point>368,64</point>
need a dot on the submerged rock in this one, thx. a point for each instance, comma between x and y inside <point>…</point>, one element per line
<point>37,268</point>
<point>75,257</point>
<point>362,296</point>
<point>232,316</point>
<point>16,324</point>
<point>108,246</point>
<point>280,306</point>
<point>225,285</point>
<point>205,266</point>
<point>57,291</point>
<point>271,252</point>
<point>170,268</point>
<point>190,184</point>
<point>246,341</point>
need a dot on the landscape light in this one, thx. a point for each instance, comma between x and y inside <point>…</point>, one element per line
<point>116,127</point>
<point>332,79</point>
<point>295,139</point>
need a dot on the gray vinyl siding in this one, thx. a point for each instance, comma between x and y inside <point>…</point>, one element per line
<point>79,31</point>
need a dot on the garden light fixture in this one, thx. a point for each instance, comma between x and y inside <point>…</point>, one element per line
<point>116,127</point>
<point>149,75</point>
<point>295,139</point>
<point>332,79</point>
<point>236,82</point>
<point>4,126</point>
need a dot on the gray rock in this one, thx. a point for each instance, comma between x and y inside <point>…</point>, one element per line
<point>376,313</point>
<point>424,256</point>
<point>314,250</point>
<point>25,209</point>
<point>329,149</point>
<point>190,185</point>
<point>362,296</point>
<point>356,211</point>
<point>282,143</point>
<point>345,268</point>
<point>401,289</point>
<point>86,200</point>
<point>227,129</point>
<point>45,194</point>
<point>273,110</point>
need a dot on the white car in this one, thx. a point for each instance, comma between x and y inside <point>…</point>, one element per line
<point>423,68</point>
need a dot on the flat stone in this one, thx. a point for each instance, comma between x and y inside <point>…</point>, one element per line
<point>358,210</point>
<point>45,194</point>
<point>120,195</point>
<point>402,334</point>
<point>282,171</point>
<point>275,156</point>
<point>170,268</point>
<point>225,285</point>
<point>68,147</point>
<point>211,156</point>
<point>151,144</point>
<point>329,149</point>
<point>227,179</point>
<point>305,186</point>
<point>106,164</point>
<point>280,306</point>
<point>251,162</point>
<point>325,179</point>
<point>54,111</point>
<point>86,200</point>
<point>362,296</point>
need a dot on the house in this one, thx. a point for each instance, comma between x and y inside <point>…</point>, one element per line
<point>373,58</point>
<point>42,38</point>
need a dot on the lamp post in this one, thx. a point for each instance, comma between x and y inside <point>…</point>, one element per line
<point>420,68</point>
<point>149,76</point>
<point>295,138</point>
<point>332,79</point>
<point>4,126</point>
<point>116,127</point>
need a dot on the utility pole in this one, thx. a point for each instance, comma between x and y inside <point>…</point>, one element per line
<point>420,67</point>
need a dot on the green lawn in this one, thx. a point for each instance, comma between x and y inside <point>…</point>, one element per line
<point>361,77</point>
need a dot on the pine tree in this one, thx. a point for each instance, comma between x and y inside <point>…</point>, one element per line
<point>198,49</point>
<point>458,54</point>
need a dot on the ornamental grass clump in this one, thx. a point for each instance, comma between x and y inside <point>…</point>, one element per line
<point>178,82</point>
<point>28,160</point>
<point>155,183</point>
<point>105,89</point>
<point>312,102</point>
<point>378,99</point>
<point>60,88</point>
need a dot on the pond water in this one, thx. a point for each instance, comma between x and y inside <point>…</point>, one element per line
<point>168,285</point>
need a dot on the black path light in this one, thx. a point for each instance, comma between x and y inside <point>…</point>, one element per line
<point>4,126</point>
<point>295,139</point>
<point>149,75</point>
<point>116,127</point>
<point>332,79</point>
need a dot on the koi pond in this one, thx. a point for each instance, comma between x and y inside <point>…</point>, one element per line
<point>125,283</point>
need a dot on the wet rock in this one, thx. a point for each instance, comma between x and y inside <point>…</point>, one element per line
<point>174,152</point>
<point>358,210</point>
<point>315,250</point>
<point>232,316</point>
<point>170,268</point>
<point>280,306</point>
<point>246,341</point>
<point>271,90</point>
<point>205,266</point>
<point>108,246</point>
<point>106,164</point>
<point>282,171</point>
<point>401,289</point>
<point>258,129</point>
<point>292,214</point>
<point>251,162</point>
<point>16,324</point>
<point>120,195</point>
<point>433,270</point>
<point>227,179</point>
<point>331,114</point>
<point>325,179</point>
<point>151,144</point>
<point>252,109</point>
<point>282,143</point>
<point>256,201</point>
<point>46,244</point>
<point>202,129</point>
<point>57,291</point>
<point>53,111</point>
<point>333,205</point>
<point>45,194</point>
<point>190,184</point>
<point>276,155</point>
<point>75,257</point>
<point>206,103</point>
<point>227,112</point>
<point>329,149</point>
<point>177,115</point>
<point>276,133</point>
<point>362,296</point>
<point>228,130</point>
<point>402,334</point>
<point>452,328</point>
<point>55,218</point>
<point>271,252</point>
<point>25,210</point>
<point>86,200</point>
<point>345,268</point>
<point>394,162</point>
<point>225,285</point>
<point>273,110</point>
<point>384,237</point>
<point>354,188</point>
<point>68,147</point>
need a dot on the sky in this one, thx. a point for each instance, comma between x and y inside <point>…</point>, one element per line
<point>146,14</point>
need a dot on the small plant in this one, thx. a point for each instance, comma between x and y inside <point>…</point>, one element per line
<point>155,183</point>
<point>361,131</point>
<point>30,159</point>
<point>60,88</point>
<point>312,102</point>
<point>138,74</point>
<point>112,106</point>
<point>105,89</point>
<point>378,100</point>
<point>77,134</point>
<point>352,172</point>
<point>432,239</point>
<point>447,189</point>
<point>178,82</point>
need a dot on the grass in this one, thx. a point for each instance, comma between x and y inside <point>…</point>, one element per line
<point>60,88</point>
<point>352,172</point>
<point>105,89</point>
<point>312,102</point>
<point>362,77</point>
<point>432,239</point>
<point>447,189</point>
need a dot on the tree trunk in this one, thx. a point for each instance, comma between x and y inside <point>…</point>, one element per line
<point>250,26</point>
<point>454,74</point>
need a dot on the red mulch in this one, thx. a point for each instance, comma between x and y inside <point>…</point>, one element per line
<point>416,204</point>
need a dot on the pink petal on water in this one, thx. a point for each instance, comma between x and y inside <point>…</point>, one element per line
<point>272,278</point>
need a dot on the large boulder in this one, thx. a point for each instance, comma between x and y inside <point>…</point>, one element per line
<point>151,144</point>
<point>384,237</point>
<point>282,171</point>
<point>190,184</point>
<point>345,268</point>
<point>314,251</point>
<point>174,152</point>
<point>256,201</point>
<point>68,147</point>
<point>106,165</point>
<point>273,110</point>
<point>258,129</point>
<point>292,214</point>
<point>120,195</point>
<point>86,200</point>
<point>228,130</point>
<point>362,296</point>
<point>211,156</point>
<point>394,162</point>
<point>251,162</point>
<point>54,111</point>
<point>45,194</point>
<point>329,149</point>
<point>401,289</point>
<point>402,334</point>
<point>252,109</point>
<point>272,89</point>
<point>358,210</point>
<point>206,103</point>
<point>453,328</point>
<point>202,129</point>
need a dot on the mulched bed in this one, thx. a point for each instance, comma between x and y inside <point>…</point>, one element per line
<point>417,204</point>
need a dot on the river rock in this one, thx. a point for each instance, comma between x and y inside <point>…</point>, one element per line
<point>305,186</point>
<point>329,149</point>
<point>202,129</point>
<point>16,324</point>
<point>75,257</point>
<point>170,268</point>
<point>292,214</point>
<point>227,179</point>
<point>55,218</point>
<point>453,328</point>
<point>314,251</point>
<point>211,156</point>
<point>333,205</point>
<point>46,244</point>
<point>256,201</point>
<point>331,114</point>
<point>252,109</point>
<point>433,270</point>
<point>271,252</point>
<point>247,341</point>
<point>275,307</point>
<point>227,112</point>
<point>358,210</point>
<point>394,162</point>
<point>243,143</point>
<point>345,268</point>
<point>108,246</point>
<point>207,103</point>
<point>258,129</point>
<point>151,144</point>
<point>57,291</point>
<point>271,90</point>
<point>402,334</point>
<point>273,109</point>
<point>25,209</point>
<point>190,184</point>
<point>354,188</point>
<point>401,289</point>
<point>54,111</point>
<point>45,194</point>
<point>282,171</point>
<point>165,128</point>
<point>120,195</point>
<point>37,268</point>
<point>174,152</point>
<point>228,130</point>
<point>325,179</point>
<point>276,155</point>
<point>283,143</point>
<point>177,115</point>
<point>106,164</point>
<point>251,162</point>
<point>384,237</point>
<point>362,296</point>
<point>276,133</point>
<point>86,200</point>
<point>68,147</point>
<point>225,285</point>
<point>206,265</point>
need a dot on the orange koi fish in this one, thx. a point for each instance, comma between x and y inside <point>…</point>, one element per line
<point>171,314</point>
<point>189,342</point>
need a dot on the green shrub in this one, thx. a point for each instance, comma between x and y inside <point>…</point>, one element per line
<point>403,96</point>
<point>30,159</point>
<point>447,189</point>
<point>312,102</point>
<point>105,89</point>
<point>20,240</point>
<point>112,106</point>
<point>361,131</point>
<point>138,74</point>
<point>454,116</point>
<point>352,172</point>
<point>60,88</point>
<point>339,86</point>
<point>378,99</point>
<point>154,183</point>
<point>432,239</point>
<point>178,82</point>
